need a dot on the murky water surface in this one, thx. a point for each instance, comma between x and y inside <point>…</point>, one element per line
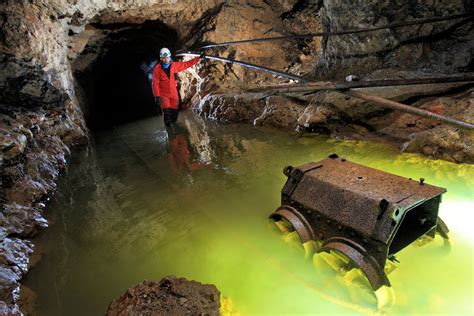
<point>141,205</point>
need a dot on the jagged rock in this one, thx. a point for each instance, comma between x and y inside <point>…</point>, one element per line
<point>12,145</point>
<point>170,296</point>
<point>22,220</point>
<point>34,147</point>
<point>443,142</point>
<point>14,260</point>
<point>24,84</point>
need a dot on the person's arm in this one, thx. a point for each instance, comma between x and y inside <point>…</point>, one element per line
<point>156,82</point>
<point>183,65</point>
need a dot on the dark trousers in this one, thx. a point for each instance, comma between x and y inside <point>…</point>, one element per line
<point>170,116</point>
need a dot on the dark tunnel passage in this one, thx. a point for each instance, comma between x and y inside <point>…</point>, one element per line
<point>118,86</point>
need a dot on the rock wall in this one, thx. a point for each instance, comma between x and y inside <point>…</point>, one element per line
<point>440,47</point>
<point>41,114</point>
<point>415,51</point>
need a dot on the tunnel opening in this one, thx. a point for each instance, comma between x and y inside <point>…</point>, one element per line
<point>117,86</point>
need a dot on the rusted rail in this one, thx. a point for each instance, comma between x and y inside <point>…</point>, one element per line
<point>327,85</point>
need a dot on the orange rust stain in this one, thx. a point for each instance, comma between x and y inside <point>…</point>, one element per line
<point>435,107</point>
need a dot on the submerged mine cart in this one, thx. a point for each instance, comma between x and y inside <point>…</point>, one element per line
<point>363,214</point>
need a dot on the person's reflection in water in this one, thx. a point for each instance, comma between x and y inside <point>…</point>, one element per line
<point>179,156</point>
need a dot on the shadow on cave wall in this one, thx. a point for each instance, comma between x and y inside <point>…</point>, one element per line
<point>117,88</point>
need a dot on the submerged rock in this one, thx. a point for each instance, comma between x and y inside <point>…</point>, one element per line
<point>170,296</point>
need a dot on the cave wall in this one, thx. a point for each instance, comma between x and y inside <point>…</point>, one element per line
<point>430,49</point>
<point>442,47</point>
<point>42,107</point>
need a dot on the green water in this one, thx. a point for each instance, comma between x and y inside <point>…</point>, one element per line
<point>129,208</point>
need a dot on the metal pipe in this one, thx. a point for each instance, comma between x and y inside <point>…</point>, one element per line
<point>468,16</point>
<point>248,65</point>
<point>324,86</point>
<point>408,109</point>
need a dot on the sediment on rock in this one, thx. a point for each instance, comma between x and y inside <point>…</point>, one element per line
<point>170,296</point>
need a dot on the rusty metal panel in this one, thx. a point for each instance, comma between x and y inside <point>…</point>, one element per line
<point>354,195</point>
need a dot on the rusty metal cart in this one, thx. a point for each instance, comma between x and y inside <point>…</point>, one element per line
<point>359,213</point>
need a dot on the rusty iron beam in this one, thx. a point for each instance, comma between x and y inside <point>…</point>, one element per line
<point>327,85</point>
<point>409,109</point>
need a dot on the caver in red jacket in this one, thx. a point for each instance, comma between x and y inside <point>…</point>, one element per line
<point>166,87</point>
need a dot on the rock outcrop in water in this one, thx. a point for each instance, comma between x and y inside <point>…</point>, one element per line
<point>46,45</point>
<point>170,296</point>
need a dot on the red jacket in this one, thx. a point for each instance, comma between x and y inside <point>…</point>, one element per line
<point>167,87</point>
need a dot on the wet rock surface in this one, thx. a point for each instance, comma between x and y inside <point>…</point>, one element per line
<point>34,146</point>
<point>432,49</point>
<point>38,125</point>
<point>345,117</point>
<point>170,296</point>
<point>14,258</point>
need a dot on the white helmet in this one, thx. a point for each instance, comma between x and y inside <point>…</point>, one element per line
<point>165,52</point>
